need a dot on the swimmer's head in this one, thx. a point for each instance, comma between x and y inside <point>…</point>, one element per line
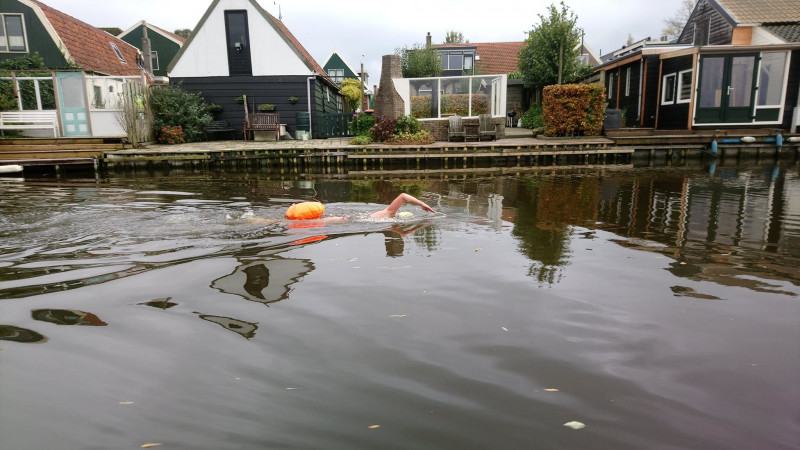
<point>405,215</point>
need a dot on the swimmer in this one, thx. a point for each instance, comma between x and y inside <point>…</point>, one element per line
<point>312,211</point>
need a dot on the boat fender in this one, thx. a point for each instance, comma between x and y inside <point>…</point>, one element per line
<point>305,210</point>
<point>714,147</point>
<point>748,139</point>
<point>779,141</point>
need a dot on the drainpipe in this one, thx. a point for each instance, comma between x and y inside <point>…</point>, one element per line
<point>308,88</point>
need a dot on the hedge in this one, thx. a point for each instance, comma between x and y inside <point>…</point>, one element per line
<point>573,109</point>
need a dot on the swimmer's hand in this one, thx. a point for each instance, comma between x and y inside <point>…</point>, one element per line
<point>425,207</point>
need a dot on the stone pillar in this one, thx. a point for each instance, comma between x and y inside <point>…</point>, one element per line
<point>388,102</point>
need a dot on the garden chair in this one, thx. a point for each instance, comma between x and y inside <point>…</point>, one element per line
<point>486,127</point>
<point>456,129</point>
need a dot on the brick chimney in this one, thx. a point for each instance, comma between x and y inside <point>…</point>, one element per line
<point>388,102</point>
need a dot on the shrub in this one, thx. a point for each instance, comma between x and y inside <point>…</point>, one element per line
<point>480,104</point>
<point>383,129</point>
<point>172,106</point>
<point>457,104</point>
<point>421,137</point>
<point>361,124</point>
<point>406,124</point>
<point>532,118</point>
<point>361,140</point>
<point>573,109</point>
<point>171,135</point>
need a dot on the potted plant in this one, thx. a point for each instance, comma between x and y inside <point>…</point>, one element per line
<point>292,100</point>
<point>265,107</point>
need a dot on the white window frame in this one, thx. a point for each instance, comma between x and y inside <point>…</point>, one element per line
<point>118,53</point>
<point>784,84</point>
<point>154,60</point>
<point>664,100</point>
<point>337,75</point>
<point>5,33</point>
<point>679,87</point>
<point>611,85</point>
<point>628,82</point>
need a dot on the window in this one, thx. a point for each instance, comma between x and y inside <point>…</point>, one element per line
<point>12,33</point>
<point>97,100</point>
<point>627,82</point>
<point>770,79</point>
<point>154,60</point>
<point>610,85</point>
<point>468,61</point>
<point>684,86</point>
<point>668,89</point>
<point>337,75</point>
<point>119,53</point>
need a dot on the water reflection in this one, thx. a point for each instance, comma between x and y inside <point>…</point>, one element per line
<point>67,317</point>
<point>264,281</point>
<point>160,303</point>
<point>246,329</point>
<point>18,334</point>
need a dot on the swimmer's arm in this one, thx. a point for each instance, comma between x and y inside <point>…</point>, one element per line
<point>391,210</point>
<point>262,220</point>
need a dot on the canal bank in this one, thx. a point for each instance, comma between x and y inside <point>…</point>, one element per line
<point>519,148</point>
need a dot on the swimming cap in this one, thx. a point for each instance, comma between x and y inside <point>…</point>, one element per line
<point>305,210</point>
<point>405,215</point>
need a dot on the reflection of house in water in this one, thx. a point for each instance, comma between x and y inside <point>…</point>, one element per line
<point>67,317</point>
<point>246,329</point>
<point>264,281</point>
<point>727,232</point>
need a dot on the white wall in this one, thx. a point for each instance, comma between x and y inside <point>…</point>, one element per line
<point>207,54</point>
<point>104,124</point>
<point>764,37</point>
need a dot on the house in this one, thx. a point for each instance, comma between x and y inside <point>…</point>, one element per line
<point>742,22</point>
<point>239,50</point>
<point>61,40</point>
<point>737,65</point>
<point>338,69</point>
<point>486,58</point>
<point>743,69</point>
<point>163,46</point>
<point>631,79</point>
<point>85,99</point>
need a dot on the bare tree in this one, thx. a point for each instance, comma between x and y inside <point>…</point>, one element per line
<point>673,26</point>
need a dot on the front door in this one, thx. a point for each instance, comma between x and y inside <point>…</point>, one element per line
<point>72,102</point>
<point>726,89</point>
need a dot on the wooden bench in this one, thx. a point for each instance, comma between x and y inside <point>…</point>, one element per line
<point>220,126</point>
<point>263,122</point>
<point>29,120</point>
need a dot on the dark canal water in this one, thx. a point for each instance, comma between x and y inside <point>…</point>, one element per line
<point>659,307</point>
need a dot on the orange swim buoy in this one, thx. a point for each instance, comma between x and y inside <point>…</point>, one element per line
<point>305,210</point>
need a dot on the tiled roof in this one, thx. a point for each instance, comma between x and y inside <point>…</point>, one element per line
<point>496,57</point>
<point>762,11</point>
<point>789,33</point>
<point>90,47</point>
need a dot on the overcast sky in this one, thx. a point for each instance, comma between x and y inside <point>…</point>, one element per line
<point>363,31</point>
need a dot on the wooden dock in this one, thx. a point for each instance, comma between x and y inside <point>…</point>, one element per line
<point>336,155</point>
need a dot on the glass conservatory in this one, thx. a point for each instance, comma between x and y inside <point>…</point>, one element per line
<point>442,97</point>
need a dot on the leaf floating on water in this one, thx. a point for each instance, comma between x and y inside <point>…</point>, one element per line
<point>478,249</point>
<point>398,316</point>
<point>125,403</point>
<point>504,328</point>
<point>575,425</point>
<point>152,444</point>
<point>292,388</point>
<point>372,427</point>
<point>551,390</point>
